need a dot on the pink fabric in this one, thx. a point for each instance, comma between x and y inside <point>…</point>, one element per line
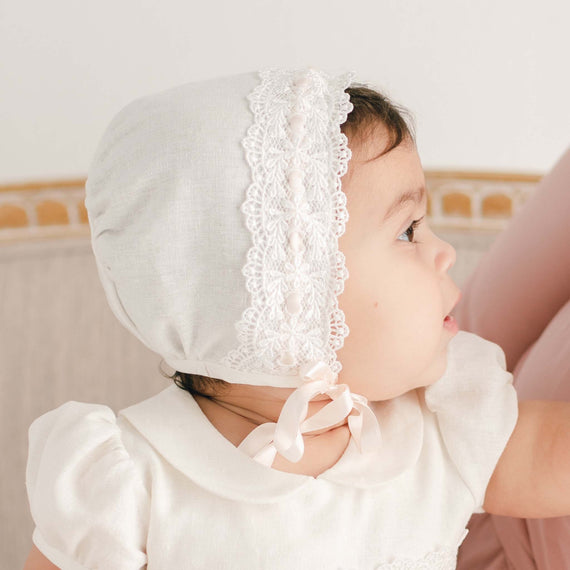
<point>519,297</point>
<point>286,436</point>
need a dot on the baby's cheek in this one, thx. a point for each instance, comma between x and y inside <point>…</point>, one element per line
<point>359,308</point>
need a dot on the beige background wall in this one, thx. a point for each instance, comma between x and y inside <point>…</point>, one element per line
<point>487,80</point>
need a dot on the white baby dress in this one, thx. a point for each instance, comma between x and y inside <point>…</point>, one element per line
<point>159,487</point>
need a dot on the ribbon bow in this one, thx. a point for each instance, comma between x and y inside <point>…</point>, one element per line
<point>286,436</point>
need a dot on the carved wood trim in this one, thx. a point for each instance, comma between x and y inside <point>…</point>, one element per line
<point>462,200</point>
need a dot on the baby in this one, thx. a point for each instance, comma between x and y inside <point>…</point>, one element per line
<point>267,236</point>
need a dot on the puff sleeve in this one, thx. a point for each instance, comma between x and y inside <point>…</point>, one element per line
<point>476,408</point>
<point>86,495</point>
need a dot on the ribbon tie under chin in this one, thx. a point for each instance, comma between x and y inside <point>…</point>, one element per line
<point>286,436</point>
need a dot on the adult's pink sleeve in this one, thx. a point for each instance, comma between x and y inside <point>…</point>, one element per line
<point>524,279</point>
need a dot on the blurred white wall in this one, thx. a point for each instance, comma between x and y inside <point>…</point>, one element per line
<point>487,80</point>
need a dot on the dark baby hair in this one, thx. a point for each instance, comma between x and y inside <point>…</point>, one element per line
<point>370,109</point>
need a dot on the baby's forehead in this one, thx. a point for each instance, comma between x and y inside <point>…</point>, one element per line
<point>368,141</point>
<point>379,158</point>
<point>374,141</point>
<point>376,178</point>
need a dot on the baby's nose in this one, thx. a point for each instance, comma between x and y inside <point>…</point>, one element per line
<point>446,256</point>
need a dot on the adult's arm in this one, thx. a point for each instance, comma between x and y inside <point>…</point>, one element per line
<point>37,561</point>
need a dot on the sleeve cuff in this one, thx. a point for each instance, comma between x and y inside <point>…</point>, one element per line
<point>61,560</point>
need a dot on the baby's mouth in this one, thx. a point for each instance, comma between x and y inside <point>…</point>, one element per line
<point>450,324</point>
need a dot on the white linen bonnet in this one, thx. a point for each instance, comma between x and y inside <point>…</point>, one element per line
<point>215,209</point>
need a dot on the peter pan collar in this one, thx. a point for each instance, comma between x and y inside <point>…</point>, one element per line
<point>176,427</point>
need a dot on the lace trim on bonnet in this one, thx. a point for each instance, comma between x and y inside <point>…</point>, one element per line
<point>294,270</point>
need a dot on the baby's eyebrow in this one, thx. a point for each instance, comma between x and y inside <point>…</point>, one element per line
<point>416,196</point>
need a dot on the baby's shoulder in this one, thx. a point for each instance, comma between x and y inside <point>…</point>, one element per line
<point>86,494</point>
<point>475,408</point>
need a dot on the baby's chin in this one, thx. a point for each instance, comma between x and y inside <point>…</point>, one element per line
<point>382,393</point>
<point>388,395</point>
<point>384,398</point>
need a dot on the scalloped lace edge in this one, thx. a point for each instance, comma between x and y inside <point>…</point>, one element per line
<point>294,270</point>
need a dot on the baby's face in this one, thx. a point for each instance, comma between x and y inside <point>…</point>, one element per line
<point>398,291</point>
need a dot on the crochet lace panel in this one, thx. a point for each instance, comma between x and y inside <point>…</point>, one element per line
<point>445,559</point>
<point>295,210</point>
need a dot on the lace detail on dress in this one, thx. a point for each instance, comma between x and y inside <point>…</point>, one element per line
<point>445,559</point>
<point>295,210</point>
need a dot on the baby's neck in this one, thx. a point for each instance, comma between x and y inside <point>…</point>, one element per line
<point>235,415</point>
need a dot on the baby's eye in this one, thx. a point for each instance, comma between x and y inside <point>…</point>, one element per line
<point>410,231</point>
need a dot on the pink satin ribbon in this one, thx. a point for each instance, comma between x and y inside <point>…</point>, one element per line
<point>286,436</point>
